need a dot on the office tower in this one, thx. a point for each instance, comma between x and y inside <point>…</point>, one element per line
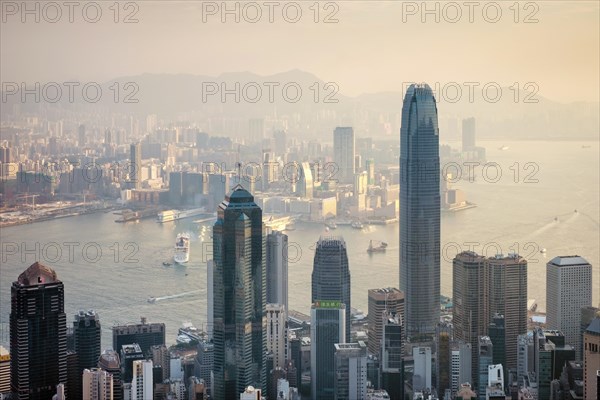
<point>97,384</point>
<point>38,333</point>
<point>210,298</point>
<point>486,358</point>
<point>350,366</point>
<point>304,184</point>
<point>383,300</point>
<point>469,295</point>
<point>295,351</point>
<point>4,370</point>
<point>142,385</point>
<point>591,359</point>
<point>161,358</point>
<point>281,146</point>
<point>218,187</point>
<point>204,363</point>
<point>331,274</point>
<point>87,333</point>
<point>460,371</point>
<point>497,334</point>
<point>81,136</point>
<point>443,340</point>
<point>135,166</point>
<point>239,295</point>
<point>277,334</point>
<point>392,371</point>
<point>507,282</point>
<point>73,383</point>
<point>343,154</point>
<point>370,168</point>
<point>129,354</point>
<point>144,334</point>
<point>109,361</point>
<point>327,327</point>
<point>176,188</point>
<point>568,290</point>
<point>420,212</point>
<point>552,356</point>
<point>269,170</point>
<point>468,134</point>
<point>422,368</point>
<point>256,130</point>
<point>277,268</point>
<point>587,316</point>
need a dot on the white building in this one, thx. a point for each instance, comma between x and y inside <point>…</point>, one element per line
<point>568,290</point>
<point>351,371</point>
<point>277,334</point>
<point>277,268</point>
<point>97,384</point>
<point>142,385</point>
<point>460,365</point>
<point>422,368</point>
<point>251,394</point>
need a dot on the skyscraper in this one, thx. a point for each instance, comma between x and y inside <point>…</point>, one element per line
<point>97,384</point>
<point>392,368</point>
<point>568,290</point>
<point>468,134</point>
<point>343,154</point>
<point>38,333</point>
<point>135,167</point>
<point>327,327</point>
<point>420,212</point>
<point>331,274</point>
<point>469,294</point>
<point>109,361</point>
<point>277,268</point>
<point>350,366</point>
<point>87,333</point>
<point>486,358</point>
<point>304,185</point>
<point>4,370</point>
<point>210,299</point>
<point>591,359</point>
<point>239,296</point>
<point>144,334</point>
<point>460,370</point>
<point>507,282</point>
<point>142,385</point>
<point>382,302</point>
<point>277,334</point>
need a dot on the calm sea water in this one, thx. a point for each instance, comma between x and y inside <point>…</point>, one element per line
<point>515,213</point>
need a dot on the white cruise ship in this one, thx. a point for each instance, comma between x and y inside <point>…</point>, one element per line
<point>182,248</point>
<point>172,215</point>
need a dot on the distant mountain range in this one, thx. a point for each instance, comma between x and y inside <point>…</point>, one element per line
<point>193,97</point>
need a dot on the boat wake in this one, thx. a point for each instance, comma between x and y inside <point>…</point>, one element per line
<point>173,296</point>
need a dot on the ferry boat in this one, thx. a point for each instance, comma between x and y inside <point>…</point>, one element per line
<point>182,249</point>
<point>357,225</point>
<point>376,249</point>
<point>151,299</point>
<point>173,215</point>
<point>189,330</point>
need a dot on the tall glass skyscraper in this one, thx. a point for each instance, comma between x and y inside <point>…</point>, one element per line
<point>420,212</point>
<point>239,296</point>
<point>331,274</point>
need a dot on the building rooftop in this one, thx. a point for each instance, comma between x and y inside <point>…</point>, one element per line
<point>594,327</point>
<point>37,274</point>
<point>131,348</point>
<point>563,261</point>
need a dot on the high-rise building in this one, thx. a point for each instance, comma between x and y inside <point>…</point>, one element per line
<point>350,366</point>
<point>444,335</point>
<point>144,334</point>
<point>277,334</point>
<point>38,333</point>
<point>343,154</point>
<point>591,359</point>
<point>210,298</point>
<point>486,358</point>
<point>495,388</point>
<point>109,361</point>
<point>142,384</point>
<point>420,212</point>
<point>277,269</point>
<point>304,184</point>
<point>81,135</point>
<point>568,290</point>
<point>469,295</point>
<point>97,384</point>
<point>280,138</point>
<point>87,334</point>
<point>327,327</point>
<point>129,354</point>
<point>587,316</point>
<point>204,363</point>
<point>507,282</point>
<point>460,371</point>
<point>331,274</point>
<point>422,369</point>
<point>381,302</point>
<point>239,296</point>
<point>4,370</point>
<point>256,130</point>
<point>135,166</point>
<point>497,334</point>
<point>392,349</point>
<point>468,134</point>
<point>552,356</point>
<point>161,358</point>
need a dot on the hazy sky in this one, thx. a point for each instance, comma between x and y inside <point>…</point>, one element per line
<point>375,46</point>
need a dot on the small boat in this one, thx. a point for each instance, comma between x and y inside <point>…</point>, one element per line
<point>151,299</point>
<point>503,148</point>
<point>357,225</point>
<point>166,264</point>
<point>376,249</point>
<point>331,225</point>
<point>326,229</point>
<point>543,251</point>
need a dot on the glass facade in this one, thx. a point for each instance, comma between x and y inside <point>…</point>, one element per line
<point>420,212</point>
<point>239,296</point>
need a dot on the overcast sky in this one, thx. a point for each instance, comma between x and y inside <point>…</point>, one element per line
<point>374,46</point>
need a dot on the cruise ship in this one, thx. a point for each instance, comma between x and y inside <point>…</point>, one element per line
<point>173,215</point>
<point>182,249</point>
